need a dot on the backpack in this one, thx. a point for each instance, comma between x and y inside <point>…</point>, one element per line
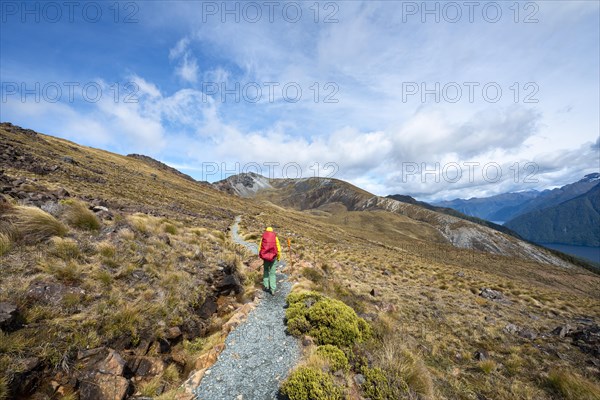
<point>268,250</point>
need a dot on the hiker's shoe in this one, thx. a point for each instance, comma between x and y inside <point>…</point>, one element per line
<point>272,291</point>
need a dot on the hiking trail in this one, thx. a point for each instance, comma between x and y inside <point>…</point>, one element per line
<point>259,354</point>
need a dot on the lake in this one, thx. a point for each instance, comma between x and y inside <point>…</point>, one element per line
<point>589,253</point>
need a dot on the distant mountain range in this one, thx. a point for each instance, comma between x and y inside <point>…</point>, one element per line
<point>575,221</point>
<point>567,215</point>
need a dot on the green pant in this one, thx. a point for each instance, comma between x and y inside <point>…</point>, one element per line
<point>269,281</point>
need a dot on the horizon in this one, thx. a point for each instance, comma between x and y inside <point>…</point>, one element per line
<point>437,101</point>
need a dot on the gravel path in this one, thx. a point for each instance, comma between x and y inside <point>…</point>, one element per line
<point>258,354</point>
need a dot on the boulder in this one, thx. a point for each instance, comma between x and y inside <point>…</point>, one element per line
<point>481,355</point>
<point>208,308</point>
<point>511,328</point>
<point>528,334</point>
<point>230,283</point>
<point>10,318</point>
<point>359,379</point>
<point>173,333</point>
<point>491,294</point>
<point>104,387</point>
<point>587,339</point>
<point>113,364</point>
<point>145,366</point>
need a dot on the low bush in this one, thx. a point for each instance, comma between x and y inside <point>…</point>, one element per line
<point>311,384</point>
<point>336,357</point>
<point>327,320</point>
<point>376,385</point>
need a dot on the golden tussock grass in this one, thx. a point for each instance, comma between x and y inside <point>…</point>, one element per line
<point>64,248</point>
<point>79,216</point>
<point>5,244</point>
<point>35,225</point>
<point>572,386</point>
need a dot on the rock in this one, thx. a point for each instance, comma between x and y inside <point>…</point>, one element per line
<point>27,378</point>
<point>61,193</point>
<point>587,339</point>
<point>359,379</point>
<point>207,360</point>
<point>173,333</point>
<point>491,294</point>
<point>307,341</point>
<point>528,334</point>
<point>370,317</point>
<point>389,308</point>
<point>68,160</point>
<point>374,292</point>
<point>50,292</point>
<point>230,283</point>
<point>511,328</point>
<point>198,255</point>
<point>10,318</point>
<point>145,366</point>
<point>387,273</point>
<point>163,346</point>
<point>99,208</point>
<point>481,355</point>
<point>460,274</point>
<point>208,308</point>
<point>113,364</point>
<point>562,331</point>
<point>104,387</point>
<point>81,354</point>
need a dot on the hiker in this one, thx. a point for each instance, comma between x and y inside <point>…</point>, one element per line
<point>270,252</point>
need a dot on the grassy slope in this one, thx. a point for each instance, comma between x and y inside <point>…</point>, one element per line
<point>428,307</point>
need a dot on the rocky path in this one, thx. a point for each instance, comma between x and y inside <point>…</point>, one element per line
<point>258,354</point>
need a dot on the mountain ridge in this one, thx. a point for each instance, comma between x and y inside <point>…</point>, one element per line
<point>314,193</point>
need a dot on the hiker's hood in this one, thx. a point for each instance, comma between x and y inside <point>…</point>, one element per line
<point>269,229</point>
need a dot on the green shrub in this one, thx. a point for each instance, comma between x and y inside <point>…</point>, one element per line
<point>327,320</point>
<point>311,384</point>
<point>336,357</point>
<point>34,225</point>
<point>376,386</point>
<point>77,215</point>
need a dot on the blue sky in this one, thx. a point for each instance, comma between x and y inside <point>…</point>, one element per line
<point>437,100</point>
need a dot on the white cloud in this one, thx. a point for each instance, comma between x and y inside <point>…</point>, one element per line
<point>187,65</point>
<point>188,69</point>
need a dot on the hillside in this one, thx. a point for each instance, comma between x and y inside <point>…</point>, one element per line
<point>119,280</point>
<point>575,221</point>
<point>323,194</point>
<point>454,213</point>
